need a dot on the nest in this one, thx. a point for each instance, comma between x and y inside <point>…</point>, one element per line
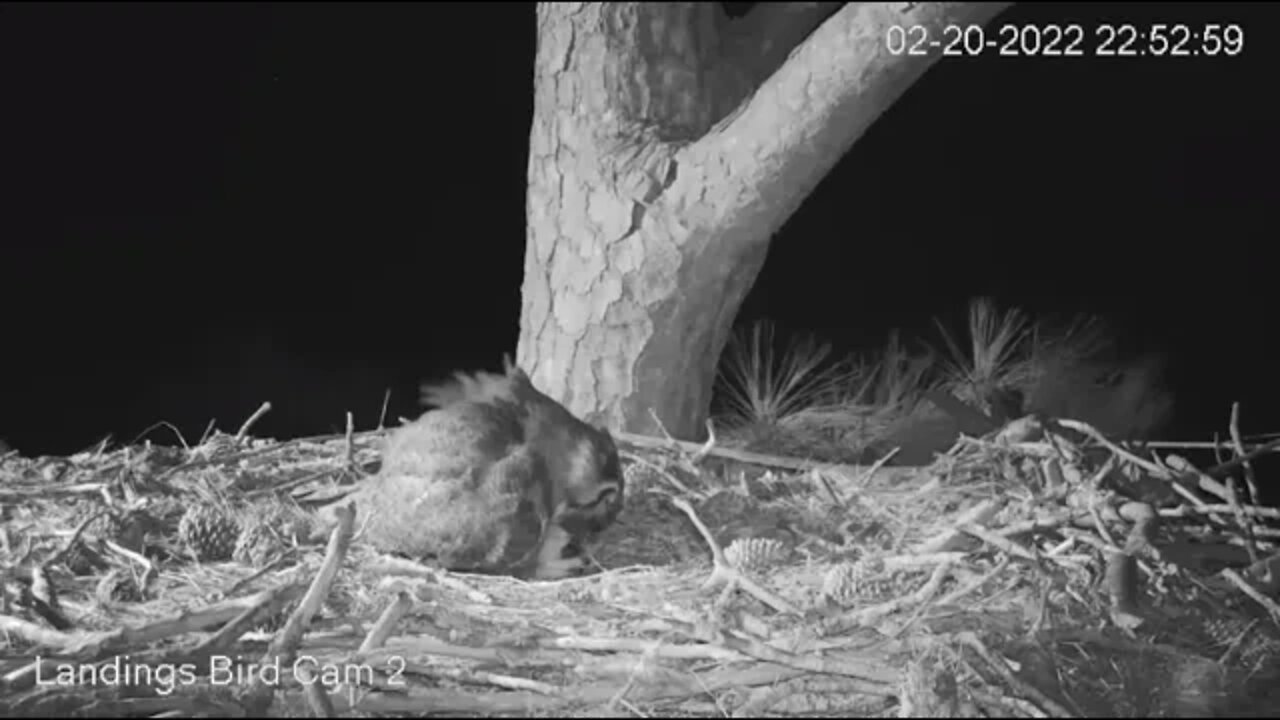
<point>1039,570</point>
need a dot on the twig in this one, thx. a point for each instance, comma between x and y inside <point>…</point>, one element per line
<point>723,573</point>
<point>165,424</point>
<point>22,493</point>
<point>255,452</point>
<point>708,446</point>
<point>865,616</point>
<point>744,456</point>
<point>997,704</point>
<point>75,537</point>
<point>1196,445</point>
<point>667,476</point>
<point>90,646</point>
<point>1101,439</point>
<point>1000,543</point>
<point>100,448</point>
<point>1001,668</point>
<point>524,703</point>
<point>923,595</point>
<point>699,651</point>
<point>686,459</point>
<point>288,486</point>
<point>208,430</point>
<point>390,565</point>
<point>1241,518</point>
<point>1248,589</point>
<point>671,441</point>
<point>1122,585</point>
<point>835,495</point>
<point>263,409</point>
<point>286,642</point>
<point>1179,464</point>
<point>382,416</point>
<point>1237,462</point>
<point>427,644</point>
<point>42,598</point>
<point>1233,649</point>
<point>1184,510</point>
<point>1265,573</point>
<point>386,622</point>
<point>351,448</point>
<point>34,633</point>
<point>250,579</point>
<point>875,466</point>
<point>317,694</point>
<point>973,585</point>
<point>266,604</point>
<point>945,540</point>
<point>871,670</point>
<point>149,571</point>
<point>481,677</point>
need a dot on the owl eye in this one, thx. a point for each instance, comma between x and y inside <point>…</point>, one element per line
<point>605,494</point>
<point>593,516</point>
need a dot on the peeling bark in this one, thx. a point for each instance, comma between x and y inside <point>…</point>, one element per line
<point>669,144</point>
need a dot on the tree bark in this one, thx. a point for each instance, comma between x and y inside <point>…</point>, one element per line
<point>669,144</point>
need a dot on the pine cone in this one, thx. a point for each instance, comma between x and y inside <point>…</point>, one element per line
<point>255,546</point>
<point>755,554</point>
<point>638,475</point>
<point>269,531</point>
<point>848,583</point>
<point>209,532</point>
<point>841,583</point>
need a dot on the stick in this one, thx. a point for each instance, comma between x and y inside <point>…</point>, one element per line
<point>34,633</point>
<point>382,416</point>
<point>164,424</point>
<point>1249,478</point>
<point>286,643</point>
<point>351,448</point>
<point>1184,510</point>
<point>381,629</point>
<point>724,573</point>
<point>1001,668</point>
<point>75,537</point>
<point>266,603</point>
<point>946,540</point>
<point>1267,603</point>
<point>263,409</point>
<point>316,693</point>
<point>208,430</point>
<point>745,456</point>
<point>86,647</point>
<point>1233,464</point>
<point>708,446</point>
<point>1196,445</point>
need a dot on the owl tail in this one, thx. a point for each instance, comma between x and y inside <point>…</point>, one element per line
<point>480,387</point>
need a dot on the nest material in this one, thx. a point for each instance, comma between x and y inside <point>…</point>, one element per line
<point>1060,575</point>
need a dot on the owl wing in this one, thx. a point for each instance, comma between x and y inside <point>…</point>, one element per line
<point>482,516</point>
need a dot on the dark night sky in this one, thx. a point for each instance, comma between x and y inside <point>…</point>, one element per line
<point>204,206</point>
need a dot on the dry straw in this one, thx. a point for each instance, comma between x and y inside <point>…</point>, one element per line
<point>1034,568</point>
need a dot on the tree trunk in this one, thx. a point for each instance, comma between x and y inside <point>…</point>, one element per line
<point>669,144</point>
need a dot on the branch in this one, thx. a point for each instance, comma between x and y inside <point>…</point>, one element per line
<point>805,116</point>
